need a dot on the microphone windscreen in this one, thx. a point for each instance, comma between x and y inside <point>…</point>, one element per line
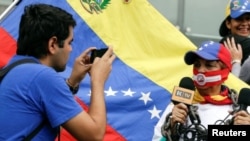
<point>244,96</point>
<point>187,83</point>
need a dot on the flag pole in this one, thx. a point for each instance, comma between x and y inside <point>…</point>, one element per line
<point>8,9</point>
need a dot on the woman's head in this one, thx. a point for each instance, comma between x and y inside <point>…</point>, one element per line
<point>211,64</point>
<point>237,19</point>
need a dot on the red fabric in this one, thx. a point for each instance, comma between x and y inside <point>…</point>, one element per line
<point>225,99</point>
<point>110,135</point>
<point>7,47</point>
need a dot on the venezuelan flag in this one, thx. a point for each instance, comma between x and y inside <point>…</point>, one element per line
<point>149,60</point>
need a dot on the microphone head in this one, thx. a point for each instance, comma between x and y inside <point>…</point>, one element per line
<point>187,83</point>
<point>244,96</point>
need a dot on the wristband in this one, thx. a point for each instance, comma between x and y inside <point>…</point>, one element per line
<point>74,90</point>
<point>235,61</point>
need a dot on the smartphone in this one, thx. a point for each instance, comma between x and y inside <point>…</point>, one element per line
<point>97,53</point>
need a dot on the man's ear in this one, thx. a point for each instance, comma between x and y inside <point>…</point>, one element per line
<point>52,45</point>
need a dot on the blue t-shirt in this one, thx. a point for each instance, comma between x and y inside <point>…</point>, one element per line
<point>30,94</point>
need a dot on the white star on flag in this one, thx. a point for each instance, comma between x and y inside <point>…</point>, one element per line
<point>110,92</point>
<point>128,93</point>
<point>155,113</point>
<point>145,97</point>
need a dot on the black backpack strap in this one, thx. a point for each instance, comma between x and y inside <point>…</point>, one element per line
<point>5,70</point>
<point>34,132</point>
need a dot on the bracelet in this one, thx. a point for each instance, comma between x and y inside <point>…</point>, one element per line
<point>74,90</point>
<point>235,61</point>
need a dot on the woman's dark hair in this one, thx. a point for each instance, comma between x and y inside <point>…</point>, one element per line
<point>38,24</point>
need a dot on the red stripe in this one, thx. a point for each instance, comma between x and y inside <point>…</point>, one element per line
<point>7,47</point>
<point>110,135</point>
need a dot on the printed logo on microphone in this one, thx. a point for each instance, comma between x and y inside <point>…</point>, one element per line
<point>182,95</point>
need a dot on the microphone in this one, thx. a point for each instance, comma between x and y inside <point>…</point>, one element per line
<point>183,93</point>
<point>243,101</point>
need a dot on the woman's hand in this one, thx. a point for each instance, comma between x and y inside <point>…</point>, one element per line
<point>235,50</point>
<point>241,118</point>
<point>179,114</point>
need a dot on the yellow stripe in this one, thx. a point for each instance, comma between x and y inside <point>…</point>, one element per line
<point>143,39</point>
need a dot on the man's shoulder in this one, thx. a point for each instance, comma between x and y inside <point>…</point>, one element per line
<point>32,69</point>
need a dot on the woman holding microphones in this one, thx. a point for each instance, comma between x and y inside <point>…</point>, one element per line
<point>212,99</point>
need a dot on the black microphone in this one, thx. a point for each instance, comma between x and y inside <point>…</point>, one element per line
<point>244,98</point>
<point>183,93</point>
<point>243,101</point>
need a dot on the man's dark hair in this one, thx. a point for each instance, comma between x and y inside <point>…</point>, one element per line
<point>38,24</point>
